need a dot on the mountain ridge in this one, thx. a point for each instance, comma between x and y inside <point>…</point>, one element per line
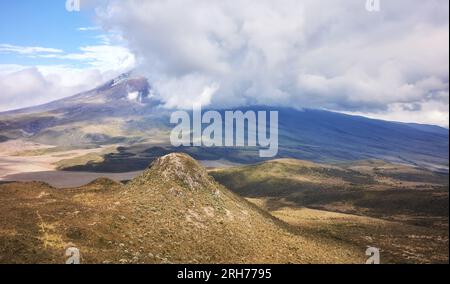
<point>156,218</point>
<point>125,111</point>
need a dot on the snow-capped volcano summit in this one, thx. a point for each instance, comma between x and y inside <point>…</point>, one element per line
<point>124,111</point>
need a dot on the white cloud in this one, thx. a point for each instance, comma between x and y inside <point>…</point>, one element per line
<point>24,86</point>
<point>9,68</point>
<point>101,57</point>
<point>184,92</point>
<point>37,85</point>
<point>311,53</point>
<point>430,112</point>
<point>87,29</point>
<point>27,50</point>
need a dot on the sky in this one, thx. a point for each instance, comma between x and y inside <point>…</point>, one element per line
<point>337,55</point>
<point>48,53</point>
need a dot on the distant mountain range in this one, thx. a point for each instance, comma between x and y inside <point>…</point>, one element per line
<point>124,111</point>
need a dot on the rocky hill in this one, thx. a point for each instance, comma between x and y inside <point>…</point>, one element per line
<point>173,213</point>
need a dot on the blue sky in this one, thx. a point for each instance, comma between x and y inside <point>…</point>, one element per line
<point>47,52</point>
<point>43,23</point>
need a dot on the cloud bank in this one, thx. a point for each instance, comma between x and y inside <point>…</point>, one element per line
<point>334,55</point>
<point>25,86</point>
<point>30,86</point>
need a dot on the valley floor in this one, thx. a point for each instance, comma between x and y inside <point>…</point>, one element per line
<point>342,209</point>
<point>398,242</point>
<point>20,159</point>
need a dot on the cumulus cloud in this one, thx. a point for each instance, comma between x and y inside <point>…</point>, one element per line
<point>428,112</point>
<point>102,57</point>
<point>37,85</point>
<point>322,54</point>
<point>24,86</point>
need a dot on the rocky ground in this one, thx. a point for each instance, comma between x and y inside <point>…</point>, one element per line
<point>173,213</point>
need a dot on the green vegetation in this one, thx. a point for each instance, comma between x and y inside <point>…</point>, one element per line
<point>174,212</point>
<point>366,203</point>
<point>418,192</point>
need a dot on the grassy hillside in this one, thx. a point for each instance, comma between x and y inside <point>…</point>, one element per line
<point>173,213</point>
<point>380,190</point>
<point>367,203</point>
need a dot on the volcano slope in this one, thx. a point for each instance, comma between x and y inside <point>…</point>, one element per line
<point>173,213</point>
<point>400,209</point>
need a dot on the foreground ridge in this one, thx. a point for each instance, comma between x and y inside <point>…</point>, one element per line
<point>173,213</point>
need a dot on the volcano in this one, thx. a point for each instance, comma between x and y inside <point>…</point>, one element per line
<point>126,111</point>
